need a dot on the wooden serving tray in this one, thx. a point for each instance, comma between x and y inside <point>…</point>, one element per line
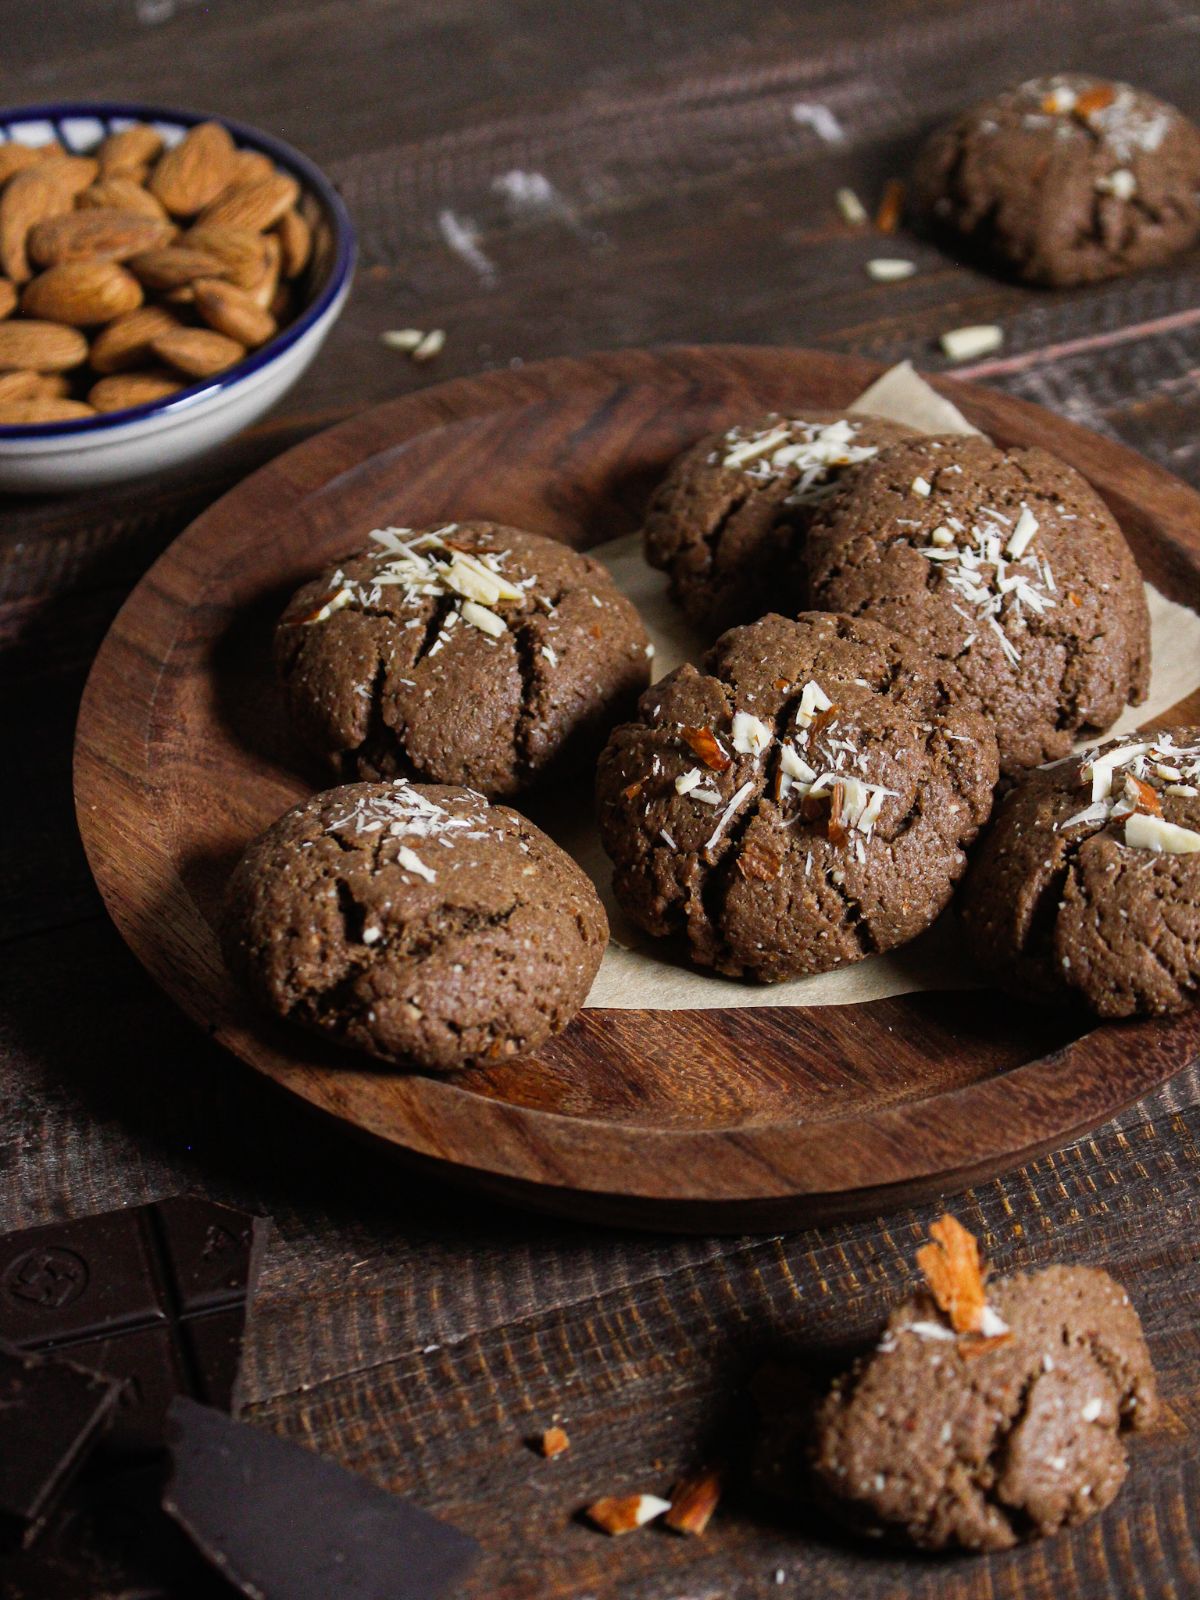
<point>706,1120</point>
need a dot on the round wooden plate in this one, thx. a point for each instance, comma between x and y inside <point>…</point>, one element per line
<point>712,1120</point>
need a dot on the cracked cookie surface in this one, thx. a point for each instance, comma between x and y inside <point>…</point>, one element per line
<point>472,653</point>
<point>1065,180</point>
<point>803,802</point>
<point>1005,563</point>
<point>1088,882</point>
<point>727,521</point>
<point>417,923</point>
<point>946,1441</point>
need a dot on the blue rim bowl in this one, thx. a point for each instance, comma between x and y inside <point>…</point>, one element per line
<point>57,117</point>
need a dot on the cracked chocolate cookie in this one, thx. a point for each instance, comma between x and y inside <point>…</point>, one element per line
<point>803,802</point>
<point>1005,563</point>
<point>421,925</point>
<point>945,1438</point>
<point>1065,180</point>
<point>1088,883</point>
<point>727,520</point>
<point>471,653</point>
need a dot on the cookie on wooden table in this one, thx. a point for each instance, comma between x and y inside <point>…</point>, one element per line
<point>1005,563</point>
<point>803,802</point>
<point>471,653</point>
<point>419,924</point>
<point>1088,883</point>
<point>1065,180</point>
<point>727,519</point>
<point>984,1424</point>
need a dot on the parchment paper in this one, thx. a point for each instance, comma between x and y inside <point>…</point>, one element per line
<point>640,973</point>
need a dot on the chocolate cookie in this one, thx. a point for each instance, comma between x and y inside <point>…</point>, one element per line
<point>1065,180</point>
<point>419,924</point>
<point>471,653</point>
<point>946,1440</point>
<point>802,804</point>
<point>726,521</point>
<point>1088,884</point>
<point>1004,562</point>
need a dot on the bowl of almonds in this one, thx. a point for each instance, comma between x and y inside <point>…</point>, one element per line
<point>164,278</point>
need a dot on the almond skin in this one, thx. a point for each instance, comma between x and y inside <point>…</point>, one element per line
<point>8,298</point>
<point>81,293</point>
<point>16,157</point>
<point>127,389</point>
<point>173,267</point>
<point>45,190</point>
<point>18,386</point>
<point>198,352</point>
<point>97,234</point>
<point>263,291</point>
<point>130,149</point>
<point>42,346</point>
<point>295,239</point>
<point>122,192</point>
<point>241,253</point>
<point>256,206</point>
<point>233,312</point>
<point>186,178</point>
<point>28,411</point>
<point>125,343</point>
<point>250,166</point>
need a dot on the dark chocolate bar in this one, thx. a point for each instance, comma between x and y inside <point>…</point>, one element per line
<point>51,1415</point>
<point>155,1295</point>
<point>276,1520</point>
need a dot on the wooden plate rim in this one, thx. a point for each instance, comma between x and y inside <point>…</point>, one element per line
<point>1054,1098</point>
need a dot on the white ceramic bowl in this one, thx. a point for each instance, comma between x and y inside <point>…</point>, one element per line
<point>58,457</point>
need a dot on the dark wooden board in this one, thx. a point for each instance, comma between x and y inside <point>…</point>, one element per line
<point>691,1119</point>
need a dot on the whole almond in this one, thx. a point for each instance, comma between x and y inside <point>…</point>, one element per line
<point>53,386</point>
<point>8,298</point>
<point>131,148</point>
<point>173,266</point>
<point>263,291</point>
<point>97,234</point>
<point>122,192</point>
<point>42,346</point>
<point>295,238</point>
<point>281,302</point>
<point>127,389</point>
<point>31,411</point>
<point>198,351</point>
<point>45,190</point>
<point>17,386</point>
<point>241,253</point>
<point>81,293</point>
<point>16,157</point>
<point>186,178</point>
<point>233,312</point>
<point>126,342</point>
<point>256,206</point>
<point>250,166</point>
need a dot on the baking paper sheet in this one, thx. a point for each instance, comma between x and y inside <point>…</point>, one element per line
<point>640,973</point>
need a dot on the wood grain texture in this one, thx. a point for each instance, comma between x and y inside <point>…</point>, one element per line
<point>710,217</point>
<point>711,1119</point>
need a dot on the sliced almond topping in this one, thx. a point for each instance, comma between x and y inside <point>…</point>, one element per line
<point>632,790</point>
<point>1143,795</point>
<point>1092,100</point>
<point>758,860</point>
<point>954,1273</point>
<point>693,1501</point>
<point>553,1442</point>
<point>835,829</point>
<point>704,746</point>
<point>615,1514</point>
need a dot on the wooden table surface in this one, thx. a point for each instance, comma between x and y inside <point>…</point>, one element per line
<point>414,1335</point>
